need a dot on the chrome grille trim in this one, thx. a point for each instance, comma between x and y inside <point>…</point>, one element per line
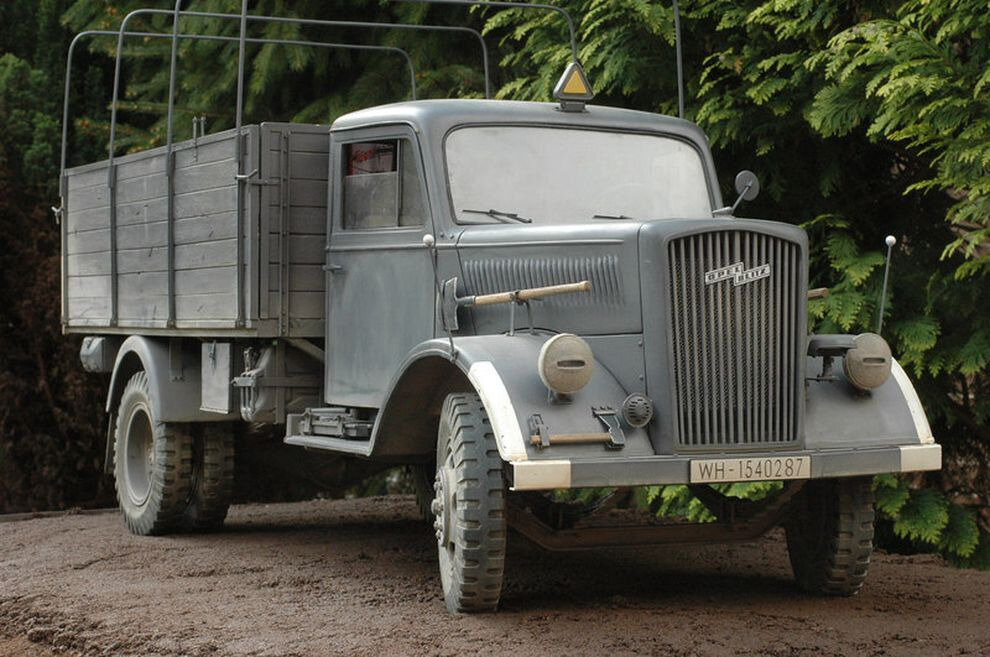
<point>735,342</point>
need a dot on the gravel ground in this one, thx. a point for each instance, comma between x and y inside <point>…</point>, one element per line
<point>358,577</point>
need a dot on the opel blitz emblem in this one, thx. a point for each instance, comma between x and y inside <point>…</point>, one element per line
<point>737,274</point>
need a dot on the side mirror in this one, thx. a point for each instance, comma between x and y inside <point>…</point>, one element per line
<point>747,186</point>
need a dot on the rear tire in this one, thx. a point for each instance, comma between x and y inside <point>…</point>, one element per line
<point>469,507</point>
<point>152,463</point>
<point>213,478</point>
<point>830,536</point>
<point>423,476</point>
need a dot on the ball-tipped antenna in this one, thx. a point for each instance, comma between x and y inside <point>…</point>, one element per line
<point>890,241</point>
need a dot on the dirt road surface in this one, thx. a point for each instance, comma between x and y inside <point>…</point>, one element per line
<point>358,577</point>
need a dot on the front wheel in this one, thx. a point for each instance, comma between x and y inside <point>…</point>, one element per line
<point>830,536</point>
<point>469,507</point>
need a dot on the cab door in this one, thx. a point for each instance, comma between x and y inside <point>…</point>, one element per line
<point>380,279</point>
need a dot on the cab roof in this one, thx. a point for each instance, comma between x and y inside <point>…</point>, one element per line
<point>437,117</point>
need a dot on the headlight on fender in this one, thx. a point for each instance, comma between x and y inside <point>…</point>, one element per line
<point>565,363</point>
<point>867,365</point>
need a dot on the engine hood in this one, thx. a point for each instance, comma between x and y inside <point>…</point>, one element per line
<point>507,257</point>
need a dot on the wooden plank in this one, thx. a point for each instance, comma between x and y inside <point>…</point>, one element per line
<point>205,254</point>
<point>89,308</point>
<point>306,193</point>
<point>187,155</point>
<point>88,198</point>
<point>142,284</point>
<point>218,226</point>
<point>140,212</point>
<point>81,179</point>
<point>142,188</point>
<point>302,278</point>
<point>132,261</point>
<point>199,307</point>
<point>144,309</point>
<point>189,230</point>
<point>303,141</point>
<point>194,204</point>
<point>302,305</point>
<point>77,221</point>
<point>91,241</point>
<point>88,286</point>
<point>150,163</point>
<point>304,166</point>
<point>303,249</point>
<point>308,221</point>
<point>211,280</point>
<point>88,264</point>
<point>199,176</point>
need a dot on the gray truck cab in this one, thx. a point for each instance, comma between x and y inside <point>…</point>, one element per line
<point>513,299</point>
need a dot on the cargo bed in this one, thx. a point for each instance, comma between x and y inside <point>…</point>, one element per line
<point>125,271</point>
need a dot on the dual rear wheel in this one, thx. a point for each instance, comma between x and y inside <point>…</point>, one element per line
<point>169,477</point>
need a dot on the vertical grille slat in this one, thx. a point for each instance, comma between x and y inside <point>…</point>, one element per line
<point>734,338</point>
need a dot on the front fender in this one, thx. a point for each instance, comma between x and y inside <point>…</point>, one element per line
<point>502,370</point>
<point>837,415</point>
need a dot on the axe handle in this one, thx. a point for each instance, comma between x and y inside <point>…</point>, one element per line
<point>531,293</point>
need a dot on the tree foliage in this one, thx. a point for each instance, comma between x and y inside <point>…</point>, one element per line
<point>862,119</point>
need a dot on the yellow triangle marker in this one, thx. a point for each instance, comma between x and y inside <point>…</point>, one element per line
<point>573,89</point>
<point>575,85</point>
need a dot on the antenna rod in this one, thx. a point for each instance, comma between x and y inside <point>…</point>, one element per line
<point>890,241</point>
<point>680,60</point>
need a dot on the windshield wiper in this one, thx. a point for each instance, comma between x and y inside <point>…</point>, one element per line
<point>500,215</point>
<point>612,216</point>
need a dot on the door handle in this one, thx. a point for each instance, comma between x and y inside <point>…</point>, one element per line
<point>333,269</point>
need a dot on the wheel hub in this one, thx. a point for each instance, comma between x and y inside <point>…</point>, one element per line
<point>442,505</point>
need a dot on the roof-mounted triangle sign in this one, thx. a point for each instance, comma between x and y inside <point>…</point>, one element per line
<point>573,89</point>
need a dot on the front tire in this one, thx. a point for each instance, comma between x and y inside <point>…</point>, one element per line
<point>152,463</point>
<point>830,536</point>
<point>469,507</point>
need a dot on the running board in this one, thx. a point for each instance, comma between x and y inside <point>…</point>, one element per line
<point>326,443</point>
<point>330,429</point>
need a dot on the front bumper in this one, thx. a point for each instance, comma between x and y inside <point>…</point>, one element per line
<point>653,470</point>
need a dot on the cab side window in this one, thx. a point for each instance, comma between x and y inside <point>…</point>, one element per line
<point>382,185</point>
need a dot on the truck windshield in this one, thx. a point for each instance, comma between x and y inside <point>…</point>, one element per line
<point>562,175</point>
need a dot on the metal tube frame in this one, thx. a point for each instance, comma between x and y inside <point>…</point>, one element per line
<point>111,169</point>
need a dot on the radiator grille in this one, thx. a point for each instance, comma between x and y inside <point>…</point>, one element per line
<point>734,328</point>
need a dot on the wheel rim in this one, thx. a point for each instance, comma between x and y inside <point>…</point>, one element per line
<point>443,507</point>
<point>139,456</point>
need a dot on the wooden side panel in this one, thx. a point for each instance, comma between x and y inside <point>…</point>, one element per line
<point>297,159</point>
<point>283,239</point>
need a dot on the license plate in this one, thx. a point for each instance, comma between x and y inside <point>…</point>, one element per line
<point>764,468</point>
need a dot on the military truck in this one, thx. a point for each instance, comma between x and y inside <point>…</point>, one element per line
<point>511,298</point>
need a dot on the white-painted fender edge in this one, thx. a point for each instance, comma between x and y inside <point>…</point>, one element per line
<point>486,380</point>
<point>914,404</point>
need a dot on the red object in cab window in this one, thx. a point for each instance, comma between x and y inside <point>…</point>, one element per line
<point>370,157</point>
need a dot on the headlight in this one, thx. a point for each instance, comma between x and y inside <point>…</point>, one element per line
<point>565,363</point>
<point>867,365</point>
